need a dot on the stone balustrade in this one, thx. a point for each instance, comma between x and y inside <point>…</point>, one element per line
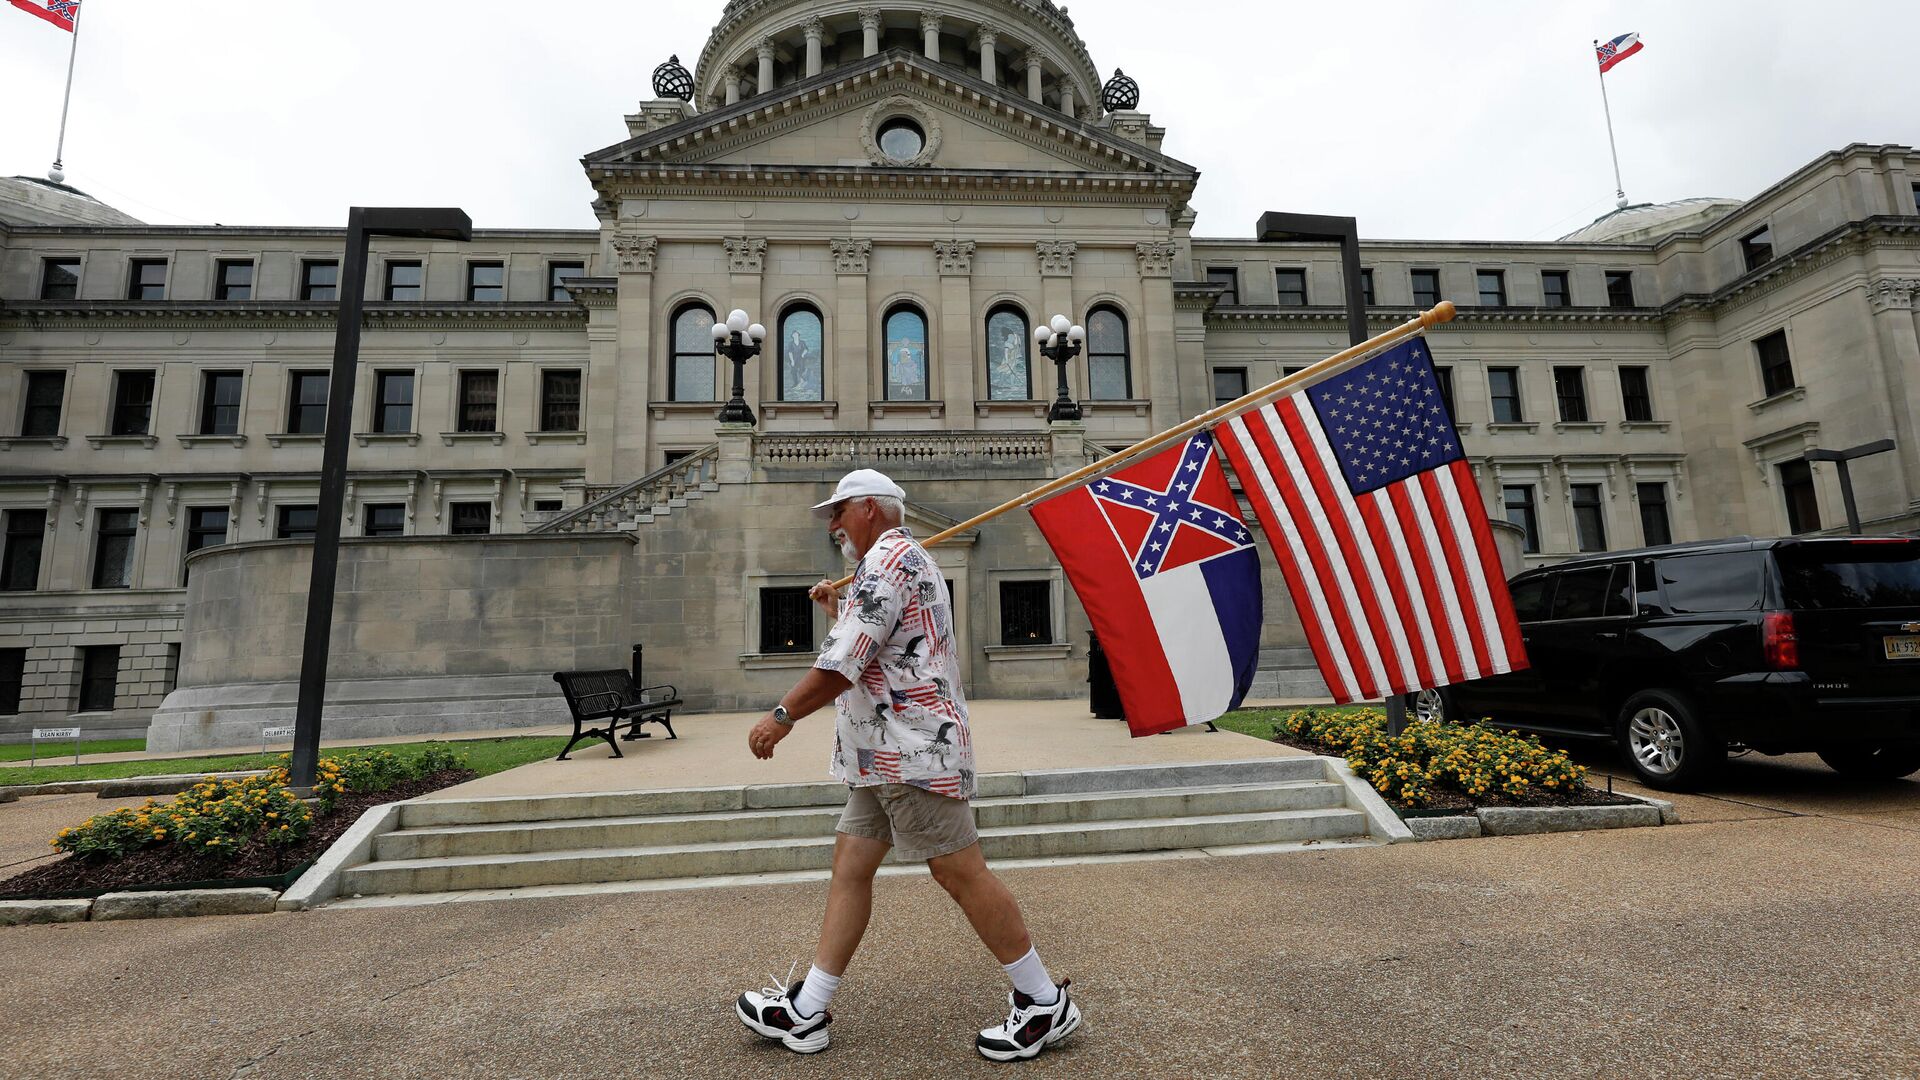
<point>882,448</point>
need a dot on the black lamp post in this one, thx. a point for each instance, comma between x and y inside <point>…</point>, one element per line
<point>1059,341</point>
<point>738,340</point>
<point>363,223</point>
<point>1840,459</point>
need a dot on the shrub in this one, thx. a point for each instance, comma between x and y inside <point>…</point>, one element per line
<point>1472,760</point>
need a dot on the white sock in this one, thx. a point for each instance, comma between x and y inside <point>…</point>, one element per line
<point>1030,977</point>
<point>816,992</point>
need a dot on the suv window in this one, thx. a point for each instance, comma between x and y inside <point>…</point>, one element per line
<point>1619,604</point>
<point>1582,593</point>
<point>1853,574</point>
<point>1727,581</point>
<point>1530,598</point>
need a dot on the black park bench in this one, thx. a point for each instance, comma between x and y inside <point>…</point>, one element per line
<point>612,696</point>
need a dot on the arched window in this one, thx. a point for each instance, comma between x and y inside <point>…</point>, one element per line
<point>690,365</point>
<point>801,367</point>
<point>905,354</point>
<point>1109,370</point>
<point>1009,355</point>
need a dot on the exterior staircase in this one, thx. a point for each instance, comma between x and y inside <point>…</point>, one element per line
<point>626,507</point>
<point>455,849</point>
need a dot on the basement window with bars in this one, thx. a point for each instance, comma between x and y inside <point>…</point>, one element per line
<point>1026,613</point>
<point>786,620</point>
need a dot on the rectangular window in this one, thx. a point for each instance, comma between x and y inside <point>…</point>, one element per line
<point>1366,286</point>
<point>1026,613</point>
<point>1570,389</point>
<point>307,402</point>
<point>1776,365</point>
<point>1503,386</point>
<point>385,519</point>
<point>1619,288</point>
<point>470,518</point>
<point>1228,276</point>
<point>206,527</point>
<point>1635,399</point>
<point>1291,287</point>
<point>13,670</point>
<point>393,401</point>
<point>1426,287</point>
<point>60,279</point>
<point>20,561</point>
<point>1228,384</point>
<point>320,280</point>
<point>1803,505</point>
<point>132,403</point>
<point>113,549</point>
<point>233,280</point>
<point>560,400</point>
<point>220,403</point>
<point>404,281</point>
<point>786,620</point>
<point>1554,291</point>
<point>557,275</point>
<point>1518,500</point>
<point>549,506</point>
<point>296,522</point>
<point>1757,247</point>
<point>479,401</point>
<point>99,676</point>
<point>46,392</point>
<point>486,282</point>
<point>1589,526</point>
<point>1916,198</point>
<point>147,279</point>
<point>1444,375</point>
<point>1493,287</point>
<point>1655,529</point>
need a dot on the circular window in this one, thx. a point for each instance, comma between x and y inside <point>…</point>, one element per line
<point>901,139</point>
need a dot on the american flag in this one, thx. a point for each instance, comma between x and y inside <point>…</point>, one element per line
<point>60,13</point>
<point>1372,512</point>
<point>882,763</point>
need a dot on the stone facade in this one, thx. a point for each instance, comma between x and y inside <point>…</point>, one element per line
<point>848,164</point>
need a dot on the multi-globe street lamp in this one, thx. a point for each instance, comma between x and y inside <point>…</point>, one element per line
<point>1059,341</point>
<point>738,339</point>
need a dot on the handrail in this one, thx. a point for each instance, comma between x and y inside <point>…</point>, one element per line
<point>680,470</point>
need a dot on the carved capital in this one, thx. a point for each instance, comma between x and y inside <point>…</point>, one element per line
<point>814,29</point>
<point>956,257</point>
<point>634,253</point>
<point>850,256</point>
<point>1155,258</point>
<point>929,23</point>
<point>1892,294</point>
<point>986,37</point>
<point>765,49</point>
<point>1056,257</point>
<point>870,18</point>
<point>1033,58</point>
<point>746,254</point>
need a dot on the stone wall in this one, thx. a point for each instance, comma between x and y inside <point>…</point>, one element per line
<point>55,630</point>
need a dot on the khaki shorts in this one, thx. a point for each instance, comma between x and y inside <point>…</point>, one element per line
<point>920,824</point>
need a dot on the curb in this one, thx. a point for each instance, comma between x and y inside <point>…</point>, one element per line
<point>1528,820</point>
<point>171,904</point>
<point>1382,823</point>
<point>321,882</point>
<point>124,786</point>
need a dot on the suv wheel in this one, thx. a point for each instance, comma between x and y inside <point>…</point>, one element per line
<point>1667,745</point>
<point>1433,705</point>
<point>1871,761</point>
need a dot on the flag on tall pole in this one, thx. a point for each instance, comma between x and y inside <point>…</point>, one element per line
<point>1616,50</point>
<point>61,13</point>
<point>1607,55</point>
<point>64,14</point>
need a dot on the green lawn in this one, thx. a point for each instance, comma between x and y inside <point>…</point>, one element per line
<point>484,756</point>
<point>54,750</point>
<point>1259,722</point>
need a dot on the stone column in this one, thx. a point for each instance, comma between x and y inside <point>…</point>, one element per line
<point>731,78</point>
<point>815,30</point>
<point>930,31</point>
<point>1066,97</point>
<point>1056,298</point>
<point>987,37</point>
<point>1033,60</point>
<point>852,323</point>
<point>1892,301</point>
<point>765,52</point>
<point>620,367</point>
<point>957,366</point>
<point>746,259</point>
<point>869,31</point>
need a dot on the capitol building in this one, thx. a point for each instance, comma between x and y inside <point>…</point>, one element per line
<point>538,480</point>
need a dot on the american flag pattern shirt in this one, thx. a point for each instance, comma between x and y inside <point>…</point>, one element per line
<point>904,719</point>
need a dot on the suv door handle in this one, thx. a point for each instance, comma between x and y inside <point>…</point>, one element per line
<point>1607,634</point>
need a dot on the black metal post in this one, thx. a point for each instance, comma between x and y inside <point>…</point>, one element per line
<point>1840,459</point>
<point>362,224</point>
<point>739,350</point>
<point>1062,353</point>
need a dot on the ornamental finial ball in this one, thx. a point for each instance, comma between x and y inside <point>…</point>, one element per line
<point>1442,312</point>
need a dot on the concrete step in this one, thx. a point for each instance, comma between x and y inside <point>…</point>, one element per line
<point>649,830</point>
<point>735,857</point>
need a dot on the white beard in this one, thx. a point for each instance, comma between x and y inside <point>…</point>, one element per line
<point>847,550</point>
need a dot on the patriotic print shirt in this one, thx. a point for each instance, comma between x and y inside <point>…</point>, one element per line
<point>904,719</point>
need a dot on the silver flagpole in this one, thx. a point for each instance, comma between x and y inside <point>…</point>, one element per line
<point>58,174</point>
<point>1619,189</point>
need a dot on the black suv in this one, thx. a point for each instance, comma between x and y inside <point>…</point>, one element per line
<point>1681,653</point>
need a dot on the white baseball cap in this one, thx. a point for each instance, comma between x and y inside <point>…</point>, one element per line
<point>858,484</point>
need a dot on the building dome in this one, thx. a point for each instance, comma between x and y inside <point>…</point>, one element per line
<point>1643,223</point>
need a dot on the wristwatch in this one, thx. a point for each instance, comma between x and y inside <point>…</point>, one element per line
<point>780,716</point>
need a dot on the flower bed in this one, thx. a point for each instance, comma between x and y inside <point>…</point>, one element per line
<point>232,829</point>
<point>1443,766</point>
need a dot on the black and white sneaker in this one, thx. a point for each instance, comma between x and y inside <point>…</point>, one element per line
<point>1030,1028</point>
<point>770,1011</point>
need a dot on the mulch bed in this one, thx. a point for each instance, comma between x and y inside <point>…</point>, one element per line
<point>1453,800</point>
<point>169,863</point>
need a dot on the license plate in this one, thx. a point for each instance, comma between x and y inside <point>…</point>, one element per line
<point>1903,648</point>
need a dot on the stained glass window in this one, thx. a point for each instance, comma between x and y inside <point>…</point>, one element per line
<point>906,355</point>
<point>1009,368</point>
<point>801,365</point>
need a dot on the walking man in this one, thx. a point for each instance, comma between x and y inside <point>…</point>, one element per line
<point>902,747</point>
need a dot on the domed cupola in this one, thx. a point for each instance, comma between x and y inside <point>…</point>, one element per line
<point>673,80</point>
<point>1120,93</point>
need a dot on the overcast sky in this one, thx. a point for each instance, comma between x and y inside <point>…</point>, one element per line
<point>1462,121</point>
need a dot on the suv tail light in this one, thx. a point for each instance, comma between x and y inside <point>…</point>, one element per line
<point>1779,642</point>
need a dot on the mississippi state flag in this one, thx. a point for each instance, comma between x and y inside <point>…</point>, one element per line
<point>1168,574</point>
<point>1616,50</point>
<point>60,13</point>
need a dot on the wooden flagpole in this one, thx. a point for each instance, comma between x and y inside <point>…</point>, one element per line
<point>1350,357</point>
